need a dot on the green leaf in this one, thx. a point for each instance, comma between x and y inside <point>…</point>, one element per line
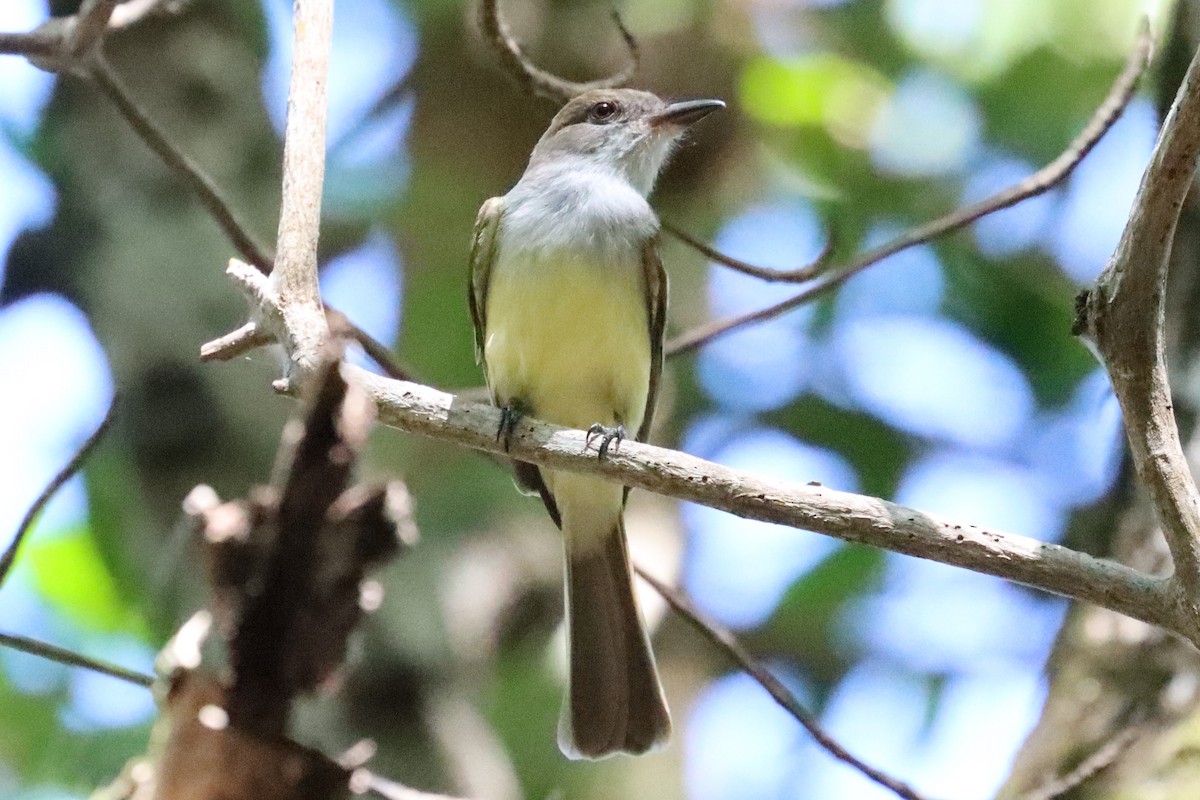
<point>71,576</point>
<point>819,90</point>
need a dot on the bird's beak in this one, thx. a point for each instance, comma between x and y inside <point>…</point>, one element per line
<point>684,113</point>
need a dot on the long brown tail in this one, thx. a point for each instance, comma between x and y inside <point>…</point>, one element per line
<point>614,701</point>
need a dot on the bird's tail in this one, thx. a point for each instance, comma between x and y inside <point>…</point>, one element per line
<point>614,701</point>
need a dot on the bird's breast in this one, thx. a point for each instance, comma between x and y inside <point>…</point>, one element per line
<point>567,333</point>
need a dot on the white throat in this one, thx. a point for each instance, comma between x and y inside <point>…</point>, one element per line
<point>570,202</point>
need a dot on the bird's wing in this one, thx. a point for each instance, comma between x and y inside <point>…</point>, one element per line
<point>483,254</point>
<point>655,279</point>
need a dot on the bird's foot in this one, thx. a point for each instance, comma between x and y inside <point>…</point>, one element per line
<point>509,417</point>
<point>609,437</point>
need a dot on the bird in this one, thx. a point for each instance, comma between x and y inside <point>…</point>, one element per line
<point>568,299</point>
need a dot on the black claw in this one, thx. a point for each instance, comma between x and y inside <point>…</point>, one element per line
<point>509,417</point>
<point>608,437</point>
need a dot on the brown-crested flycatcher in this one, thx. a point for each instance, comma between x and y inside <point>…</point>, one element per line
<point>568,298</point>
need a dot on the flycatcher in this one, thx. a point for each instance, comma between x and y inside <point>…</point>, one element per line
<point>568,298</point>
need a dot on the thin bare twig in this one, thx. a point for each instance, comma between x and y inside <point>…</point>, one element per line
<point>90,26</point>
<point>9,556</point>
<point>298,320</point>
<point>723,639</point>
<point>1103,758</point>
<point>183,166</point>
<point>71,658</point>
<point>769,274</point>
<point>376,351</point>
<point>1038,183</point>
<point>35,45</point>
<point>235,343</point>
<point>1123,318</point>
<point>226,218</point>
<point>340,325</point>
<point>538,81</point>
<point>47,44</point>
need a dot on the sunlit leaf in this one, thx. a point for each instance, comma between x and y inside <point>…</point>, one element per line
<point>822,90</point>
<point>70,574</point>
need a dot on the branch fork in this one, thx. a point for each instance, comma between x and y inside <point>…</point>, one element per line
<point>1121,318</point>
<point>286,305</point>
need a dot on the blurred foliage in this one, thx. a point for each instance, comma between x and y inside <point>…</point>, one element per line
<point>807,83</point>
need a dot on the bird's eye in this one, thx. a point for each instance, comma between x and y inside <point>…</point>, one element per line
<point>602,111</point>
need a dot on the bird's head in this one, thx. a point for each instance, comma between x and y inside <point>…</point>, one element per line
<point>627,131</point>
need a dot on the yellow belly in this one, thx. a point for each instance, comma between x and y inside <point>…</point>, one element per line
<point>570,340</point>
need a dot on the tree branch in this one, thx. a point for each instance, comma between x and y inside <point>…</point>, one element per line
<point>182,165</point>
<point>64,44</point>
<point>850,517</point>
<point>723,639</point>
<point>362,780</point>
<point>537,81</point>
<point>58,44</point>
<point>90,25</point>
<point>9,556</point>
<point>1103,758</point>
<point>769,274</point>
<point>35,46</point>
<point>1038,183</point>
<point>1123,315</point>
<point>236,343</point>
<point>287,305</point>
<point>73,659</point>
<point>295,273</point>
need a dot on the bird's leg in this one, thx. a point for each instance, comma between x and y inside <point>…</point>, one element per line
<point>609,437</point>
<point>510,415</point>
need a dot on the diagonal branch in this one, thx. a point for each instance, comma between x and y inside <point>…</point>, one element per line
<point>61,655</point>
<point>182,165</point>
<point>1122,316</point>
<point>37,45</point>
<point>227,220</point>
<point>723,639</point>
<point>1038,183</point>
<point>850,517</point>
<point>47,45</point>
<point>90,26</point>
<point>9,556</point>
<point>1103,758</point>
<point>537,81</point>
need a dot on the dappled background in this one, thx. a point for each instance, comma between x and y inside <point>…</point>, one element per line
<point>943,378</point>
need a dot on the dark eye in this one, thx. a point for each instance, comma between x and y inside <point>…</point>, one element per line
<point>602,111</point>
